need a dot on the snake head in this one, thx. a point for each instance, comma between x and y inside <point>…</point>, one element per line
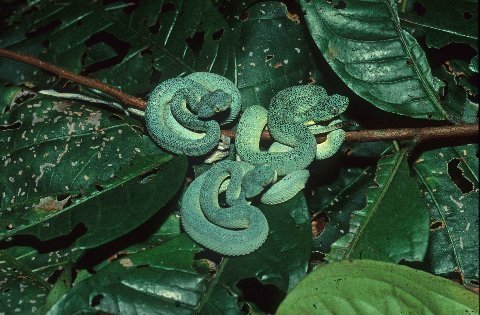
<point>332,106</point>
<point>255,181</point>
<point>213,103</point>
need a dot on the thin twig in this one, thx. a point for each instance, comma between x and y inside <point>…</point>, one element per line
<point>125,98</point>
<point>428,133</point>
<point>463,131</point>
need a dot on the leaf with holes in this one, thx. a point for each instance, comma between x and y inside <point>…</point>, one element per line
<point>441,21</point>
<point>452,33</point>
<point>374,287</point>
<point>129,45</point>
<point>338,191</point>
<point>160,278</point>
<point>273,51</point>
<point>450,179</point>
<point>393,226</point>
<point>70,168</point>
<point>365,45</point>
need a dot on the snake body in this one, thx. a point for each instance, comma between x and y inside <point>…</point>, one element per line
<point>179,117</point>
<point>293,119</point>
<point>237,229</point>
<point>177,109</point>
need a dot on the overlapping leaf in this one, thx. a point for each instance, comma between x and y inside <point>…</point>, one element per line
<point>273,52</point>
<point>68,165</point>
<point>136,45</point>
<point>373,287</point>
<point>450,180</point>
<point>365,45</point>
<point>394,224</point>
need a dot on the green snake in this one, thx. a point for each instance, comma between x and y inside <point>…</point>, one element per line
<point>237,229</point>
<point>176,117</point>
<point>177,110</point>
<point>294,117</point>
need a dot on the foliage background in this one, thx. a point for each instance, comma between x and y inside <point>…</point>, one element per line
<point>88,199</point>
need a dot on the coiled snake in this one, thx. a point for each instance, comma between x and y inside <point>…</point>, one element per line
<point>176,119</point>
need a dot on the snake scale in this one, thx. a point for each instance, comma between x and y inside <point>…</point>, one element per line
<point>184,115</point>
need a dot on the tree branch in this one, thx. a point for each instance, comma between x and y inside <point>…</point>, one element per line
<point>125,98</point>
<point>428,133</point>
<point>442,132</point>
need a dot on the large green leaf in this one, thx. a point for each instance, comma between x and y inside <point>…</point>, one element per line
<point>68,165</point>
<point>136,44</point>
<point>373,287</point>
<point>273,51</point>
<point>450,180</point>
<point>158,279</point>
<point>393,226</point>
<point>441,21</point>
<point>339,191</point>
<point>367,48</point>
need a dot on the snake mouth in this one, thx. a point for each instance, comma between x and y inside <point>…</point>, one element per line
<point>346,123</point>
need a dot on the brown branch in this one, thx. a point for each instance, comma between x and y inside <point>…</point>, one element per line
<point>92,83</point>
<point>442,132</point>
<point>464,131</point>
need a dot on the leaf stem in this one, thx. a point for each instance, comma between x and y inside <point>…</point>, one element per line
<point>429,133</point>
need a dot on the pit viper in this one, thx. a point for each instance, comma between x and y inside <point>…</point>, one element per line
<point>237,229</point>
<point>176,119</point>
<point>177,110</point>
<point>294,116</point>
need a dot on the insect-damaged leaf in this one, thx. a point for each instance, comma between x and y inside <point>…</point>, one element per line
<point>450,180</point>
<point>393,226</point>
<point>70,167</point>
<point>160,278</point>
<point>128,45</point>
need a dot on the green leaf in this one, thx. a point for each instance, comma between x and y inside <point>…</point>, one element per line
<point>281,261</point>
<point>344,192</point>
<point>450,180</point>
<point>126,45</point>
<point>394,224</point>
<point>43,259</point>
<point>161,278</point>
<point>365,45</point>
<point>273,52</point>
<point>66,165</point>
<point>441,21</point>
<point>21,291</point>
<point>61,287</point>
<point>373,287</point>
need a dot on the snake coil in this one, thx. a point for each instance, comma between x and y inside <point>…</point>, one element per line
<point>178,108</point>
<point>179,117</point>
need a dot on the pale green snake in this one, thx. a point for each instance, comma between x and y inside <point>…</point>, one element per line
<point>176,119</point>
<point>177,108</point>
<point>236,230</point>
<point>293,119</point>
